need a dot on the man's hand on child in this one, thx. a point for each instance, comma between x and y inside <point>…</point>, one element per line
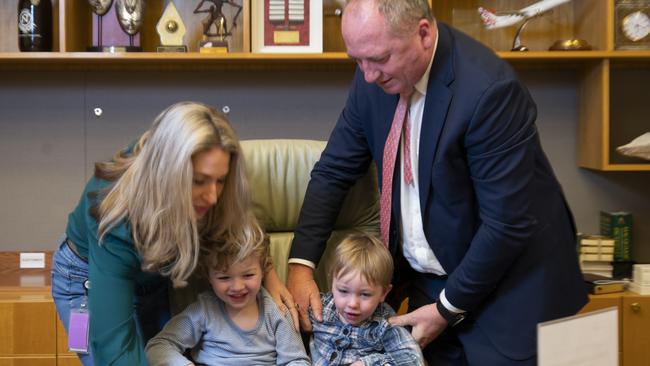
<point>427,323</point>
<point>301,284</point>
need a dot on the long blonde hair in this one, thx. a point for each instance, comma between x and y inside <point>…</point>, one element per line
<point>153,190</point>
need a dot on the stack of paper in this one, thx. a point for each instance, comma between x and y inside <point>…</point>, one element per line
<point>596,255</point>
<point>641,279</point>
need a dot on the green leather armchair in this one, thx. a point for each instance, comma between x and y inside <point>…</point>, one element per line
<point>278,172</point>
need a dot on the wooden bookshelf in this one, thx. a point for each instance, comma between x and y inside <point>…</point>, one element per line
<point>604,119</point>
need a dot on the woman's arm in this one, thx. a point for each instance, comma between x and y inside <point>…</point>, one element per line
<point>280,294</point>
<point>112,268</point>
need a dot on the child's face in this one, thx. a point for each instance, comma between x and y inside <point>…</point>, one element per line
<point>239,285</point>
<point>355,298</point>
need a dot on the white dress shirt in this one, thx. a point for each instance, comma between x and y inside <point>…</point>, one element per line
<point>415,247</point>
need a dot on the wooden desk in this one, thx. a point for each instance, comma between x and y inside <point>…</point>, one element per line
<point>633,324</point>
<point>30,331</point>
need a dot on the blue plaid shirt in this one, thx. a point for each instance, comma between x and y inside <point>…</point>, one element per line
<point>375,342</point>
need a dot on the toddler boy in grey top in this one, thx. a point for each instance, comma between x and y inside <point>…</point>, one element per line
<point>237,323</point>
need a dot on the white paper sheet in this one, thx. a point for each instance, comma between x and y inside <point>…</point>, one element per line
<point>589,339</point>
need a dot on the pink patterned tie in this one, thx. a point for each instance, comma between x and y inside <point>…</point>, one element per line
<point>388,166</point>
<point>408,171</point>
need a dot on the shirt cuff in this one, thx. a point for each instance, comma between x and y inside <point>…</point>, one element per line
<point>304,262</point>
<point>443,299</point>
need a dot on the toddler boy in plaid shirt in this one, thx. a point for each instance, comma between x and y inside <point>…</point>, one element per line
<point>355,330</point>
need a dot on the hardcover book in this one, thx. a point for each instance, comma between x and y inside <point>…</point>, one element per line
<point>597,284</point>
<point>618,225</point>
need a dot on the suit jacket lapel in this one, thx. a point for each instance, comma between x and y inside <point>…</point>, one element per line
<point>436,105</point>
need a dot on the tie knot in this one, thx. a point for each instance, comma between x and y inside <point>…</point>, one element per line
<point>407,94</point>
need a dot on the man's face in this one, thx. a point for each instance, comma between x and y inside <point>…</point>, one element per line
<point>395,63</point>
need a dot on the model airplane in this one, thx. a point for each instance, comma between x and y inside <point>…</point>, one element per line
<point>503,19</point>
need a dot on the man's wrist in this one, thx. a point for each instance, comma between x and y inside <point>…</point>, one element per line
<point>451,317</point>
<point>303,262</point>
<point>300,271</point>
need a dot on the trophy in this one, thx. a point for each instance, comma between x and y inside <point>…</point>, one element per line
<point>100,8</point>
<point>130,15</point>
<point>215,25</point>
<point>171,30</point>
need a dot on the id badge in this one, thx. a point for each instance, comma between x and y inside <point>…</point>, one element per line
<point>78,330</point>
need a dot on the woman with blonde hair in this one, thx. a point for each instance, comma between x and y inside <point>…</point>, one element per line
<point>141,218</point>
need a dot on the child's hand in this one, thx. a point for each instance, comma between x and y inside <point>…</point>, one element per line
<point>357,363</point>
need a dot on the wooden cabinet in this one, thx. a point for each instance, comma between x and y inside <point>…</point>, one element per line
<point>635,336</point>
<point>634,324</point>
<point>27,329</point>
<point>30,331</point>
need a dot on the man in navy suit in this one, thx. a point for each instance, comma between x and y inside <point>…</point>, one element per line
<point>483,235</point>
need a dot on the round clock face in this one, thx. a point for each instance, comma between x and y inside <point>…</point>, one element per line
<point>636,26</point>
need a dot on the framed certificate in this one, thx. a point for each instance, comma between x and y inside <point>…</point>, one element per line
<point>287,26</point>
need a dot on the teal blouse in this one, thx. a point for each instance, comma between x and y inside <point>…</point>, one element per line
<point>114,271</point>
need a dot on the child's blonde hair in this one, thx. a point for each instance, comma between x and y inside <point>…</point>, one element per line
<point>366,254</point>
<point>220,255</point>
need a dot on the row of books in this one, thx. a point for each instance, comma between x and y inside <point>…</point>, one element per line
<point>596,255</point>
<point>599,254</point>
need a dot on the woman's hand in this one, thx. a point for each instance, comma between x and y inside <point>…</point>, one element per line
<point>281,295</point>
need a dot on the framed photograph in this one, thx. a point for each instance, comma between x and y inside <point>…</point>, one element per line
<point>287,26</point>
<point>202,20</point>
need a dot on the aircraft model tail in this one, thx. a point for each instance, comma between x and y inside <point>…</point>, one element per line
<point>492,20</point>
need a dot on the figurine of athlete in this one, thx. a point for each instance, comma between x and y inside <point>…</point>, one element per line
<point>216,18</point>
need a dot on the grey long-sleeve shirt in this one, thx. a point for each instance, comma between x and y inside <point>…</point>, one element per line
<point>206,328</point>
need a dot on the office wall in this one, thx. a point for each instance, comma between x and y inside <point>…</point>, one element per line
<point>50,136</point>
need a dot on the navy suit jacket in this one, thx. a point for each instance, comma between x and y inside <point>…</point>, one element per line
<point>493,212</point>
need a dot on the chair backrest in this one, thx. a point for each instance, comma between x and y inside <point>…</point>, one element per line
<point>278,172</point>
